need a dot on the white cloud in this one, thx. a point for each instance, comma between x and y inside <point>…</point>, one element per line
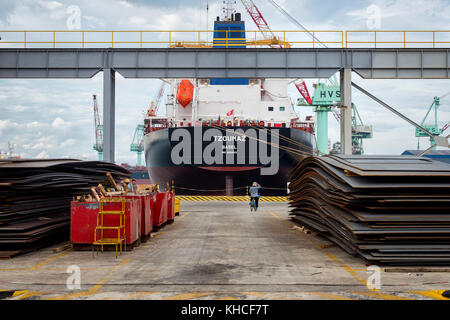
<point>58,123</point>
<point>42,155</point>
<point>125,4</point>
<point>51,5</point>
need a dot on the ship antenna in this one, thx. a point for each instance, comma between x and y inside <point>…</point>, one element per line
<point>207,22</point>
<point>228,9</point>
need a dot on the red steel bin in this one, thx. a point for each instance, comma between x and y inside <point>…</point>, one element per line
<point>159,206</point>
<point>145,210</point>
<point>84,220</point>
<point>171,207</point>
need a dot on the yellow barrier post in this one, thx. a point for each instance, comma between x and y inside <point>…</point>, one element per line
<point>25,39</point>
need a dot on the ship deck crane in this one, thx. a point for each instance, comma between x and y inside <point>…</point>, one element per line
<point>98,127</point>
<point>432,128</point>
<point>137,144</point>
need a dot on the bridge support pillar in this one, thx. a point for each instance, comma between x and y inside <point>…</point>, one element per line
<point>346,111</point>
<point>109,111</point>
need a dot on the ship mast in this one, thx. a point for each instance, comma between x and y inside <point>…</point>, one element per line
<point>228,10</point>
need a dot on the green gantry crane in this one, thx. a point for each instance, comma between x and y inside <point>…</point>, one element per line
<point>325,99</point>
<point>434,127</point>
<point>137,145</point>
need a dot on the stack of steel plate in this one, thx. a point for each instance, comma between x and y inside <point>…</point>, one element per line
<point>35,198</point>
<point>386,209</point>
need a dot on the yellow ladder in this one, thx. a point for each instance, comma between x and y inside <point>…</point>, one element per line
<point>121,233</point>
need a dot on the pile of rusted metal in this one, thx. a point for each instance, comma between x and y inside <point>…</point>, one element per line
<point>35,198</point>
<point>386,209</point>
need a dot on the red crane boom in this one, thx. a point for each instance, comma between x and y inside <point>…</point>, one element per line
<point>301,87</point>
<point>259,20</point>
<point>267,33</point>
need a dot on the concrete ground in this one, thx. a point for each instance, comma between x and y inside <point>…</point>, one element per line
<point>217,250</point>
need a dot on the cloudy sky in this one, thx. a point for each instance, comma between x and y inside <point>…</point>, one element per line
<point>54,118</point>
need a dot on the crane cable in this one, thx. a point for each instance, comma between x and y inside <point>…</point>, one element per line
<point>288,149</point>
<point>294,21</point>
<point>292,150</point>
<point>289,140</point>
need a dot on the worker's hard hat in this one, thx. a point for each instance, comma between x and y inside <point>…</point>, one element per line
<point>127,180</point>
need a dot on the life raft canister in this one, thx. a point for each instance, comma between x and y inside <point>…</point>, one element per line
<point>185,92</point>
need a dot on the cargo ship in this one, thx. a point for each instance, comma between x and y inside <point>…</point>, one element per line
<point>220,135</point>
<point>138,173</point>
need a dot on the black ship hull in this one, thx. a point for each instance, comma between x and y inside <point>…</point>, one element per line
<point>228,172</point>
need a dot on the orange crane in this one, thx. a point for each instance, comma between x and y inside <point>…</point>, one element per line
<point>137,144</point>
<point>272,40</point>
<point>153,110</point>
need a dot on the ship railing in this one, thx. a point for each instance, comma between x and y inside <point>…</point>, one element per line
<point>204,39</point>
<point>307,126</point>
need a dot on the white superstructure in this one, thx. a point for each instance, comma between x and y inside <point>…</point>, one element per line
<point>261,100</point>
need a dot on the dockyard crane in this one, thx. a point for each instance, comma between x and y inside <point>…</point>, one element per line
<point>137,144</point>
<point>434,127</point>
<point>272,40</point>
<point>261,23</point>
<point>326,96</point>
<point>98,127</point>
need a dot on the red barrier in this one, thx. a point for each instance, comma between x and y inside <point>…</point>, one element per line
<point>159,206</point>
<point>84,220</point>
<point>171,207</point>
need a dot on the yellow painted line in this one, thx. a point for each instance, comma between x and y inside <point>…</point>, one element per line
<point>184,215</point>
<point>49,260</point>
<point>31,294</point>
<point>256,294</point>
<point>267,295</point>
<point>143,293</point>
<point>329,255</point>
<point>228,298</point>
<point>187,296</point>
<point>383,296</point>
<point>229,198</point>
<point>434,294</point>
<point>18,293</point>
<point>273,214</point>
<point>95,288</point>
<point>329,296</point>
